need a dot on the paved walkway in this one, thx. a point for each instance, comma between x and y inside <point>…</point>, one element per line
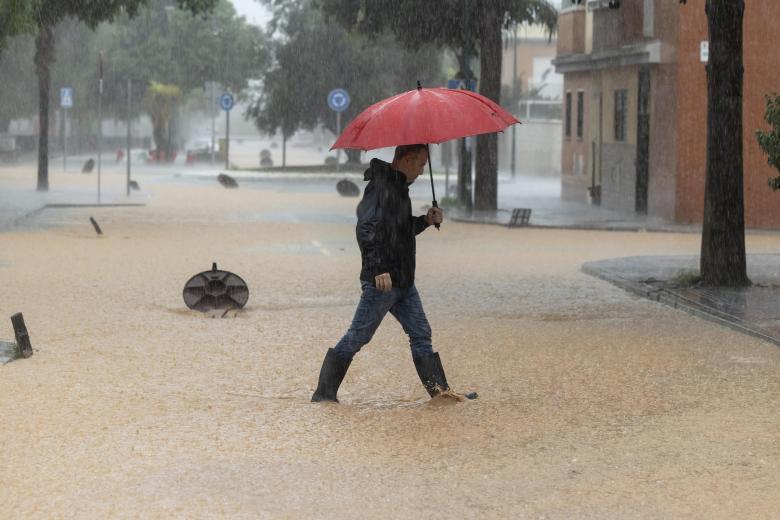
<point>753,310</point>
<point>19,201</point>
<point>542,196</point>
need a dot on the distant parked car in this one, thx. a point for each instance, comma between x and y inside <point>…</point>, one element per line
<point>9,151</point>
<point>200,150</point>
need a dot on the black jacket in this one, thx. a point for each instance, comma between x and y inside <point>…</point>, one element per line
<point>386,228</point>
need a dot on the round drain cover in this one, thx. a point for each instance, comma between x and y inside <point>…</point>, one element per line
<point>215,289</point>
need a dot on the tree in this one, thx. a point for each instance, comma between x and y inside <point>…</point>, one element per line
<point>312,57</point>
<point>463,26</point>
<point>770,141</point>
<point>40,17</point>
<point>160,101</point>
<point>165,46</point>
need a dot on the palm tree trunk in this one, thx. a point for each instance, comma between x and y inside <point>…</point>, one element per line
<point>486,181</point>
<point>44,57</point>
<point>723,233</point>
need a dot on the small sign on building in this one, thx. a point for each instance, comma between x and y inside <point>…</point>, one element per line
<point>66,97</point>
<point>704,51</point>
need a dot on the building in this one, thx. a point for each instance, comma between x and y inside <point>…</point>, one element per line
<point>533,91</point>
<point>635,106</point>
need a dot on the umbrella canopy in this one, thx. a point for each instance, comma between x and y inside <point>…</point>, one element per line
<point>424,115</point>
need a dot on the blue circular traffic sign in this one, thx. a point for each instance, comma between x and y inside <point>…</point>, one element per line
<point>338,100</point>
<point>226,101</point>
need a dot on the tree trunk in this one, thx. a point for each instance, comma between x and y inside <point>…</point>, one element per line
<point>723,233</point>
<point>353,156</point>
<point>44,57</point>
<point>159,134</point>
<point>464,154</point>
<point>486,181</point>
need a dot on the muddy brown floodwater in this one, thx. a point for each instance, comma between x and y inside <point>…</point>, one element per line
<point>593,403</point>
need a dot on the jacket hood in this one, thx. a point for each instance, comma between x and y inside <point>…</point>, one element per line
<point>376,167</point>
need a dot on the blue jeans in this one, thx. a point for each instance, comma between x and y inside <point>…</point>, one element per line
<point>404,304</point>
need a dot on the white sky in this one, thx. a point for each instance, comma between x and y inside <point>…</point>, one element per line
<point>257,14</point>
<point>254,11</point>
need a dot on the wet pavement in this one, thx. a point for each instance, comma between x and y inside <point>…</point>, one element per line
<point>594,403</point>
<point>754,310</point>
<point>542,196</point>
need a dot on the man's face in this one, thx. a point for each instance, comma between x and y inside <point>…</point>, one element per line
<point>414,164</point>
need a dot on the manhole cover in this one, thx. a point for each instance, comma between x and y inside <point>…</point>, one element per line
<point>215,289</point>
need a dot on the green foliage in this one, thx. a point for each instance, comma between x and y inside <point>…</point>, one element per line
<point>160,101</point>
<point>686,278</point>
<point>15,18</point>
<point>312,57</point>
<point>175,47</point>
<point>16,76</point>
<point>770,141</point>
<point>448,23</point>
<point>447,202</point>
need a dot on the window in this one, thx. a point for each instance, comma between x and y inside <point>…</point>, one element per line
<point>580,112</point>
<point>567,120</point>
<point>621,113</point>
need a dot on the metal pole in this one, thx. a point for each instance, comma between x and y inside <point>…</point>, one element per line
<point>227,139</point>
<point>211,111</point>
<point>64,139</point>
<point>100,125</point>
<point>338,150</point>
<point>514,98</point>
<point>129,120</point>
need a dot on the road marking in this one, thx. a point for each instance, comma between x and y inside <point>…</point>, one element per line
<point>319,246</point>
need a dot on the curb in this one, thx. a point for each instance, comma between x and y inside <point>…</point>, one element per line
<point>672,299</point>
<point>34,212</point>
<point>576,227</point>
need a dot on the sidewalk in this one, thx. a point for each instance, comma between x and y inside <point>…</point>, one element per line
<point>752,310</point>
<point>19,199</point>
<point>543,196</point>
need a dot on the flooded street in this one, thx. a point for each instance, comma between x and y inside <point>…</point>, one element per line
<point>593,403</point>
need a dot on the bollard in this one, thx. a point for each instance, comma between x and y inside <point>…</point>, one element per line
<point>22,338</point>
<point>95,225</point>
<point>227,181</point>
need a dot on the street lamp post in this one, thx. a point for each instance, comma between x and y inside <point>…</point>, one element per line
<point>514,97</point>
<point>100,124</point>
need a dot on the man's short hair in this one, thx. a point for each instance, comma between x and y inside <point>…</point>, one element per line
<point>406,149</point>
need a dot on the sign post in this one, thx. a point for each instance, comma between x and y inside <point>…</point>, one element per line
<point>66,101</point>
<point>338,101</point>
<point>226,102</point>
<point>100,124</point>
<point>129,123</point>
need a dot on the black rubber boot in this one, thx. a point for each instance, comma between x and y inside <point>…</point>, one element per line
<point>332,373</point>
<point>431,374</point>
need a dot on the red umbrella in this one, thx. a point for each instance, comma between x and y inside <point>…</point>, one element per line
<point>424,115</point>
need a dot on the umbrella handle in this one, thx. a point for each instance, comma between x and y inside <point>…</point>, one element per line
<point>430,171</point>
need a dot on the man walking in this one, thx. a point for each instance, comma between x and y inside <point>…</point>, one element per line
<point>386,233</point>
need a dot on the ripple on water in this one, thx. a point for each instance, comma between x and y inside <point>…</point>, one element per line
<point>7,352</point>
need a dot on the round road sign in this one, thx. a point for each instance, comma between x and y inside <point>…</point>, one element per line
<point>226,101</point>
<point>338,100</point>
